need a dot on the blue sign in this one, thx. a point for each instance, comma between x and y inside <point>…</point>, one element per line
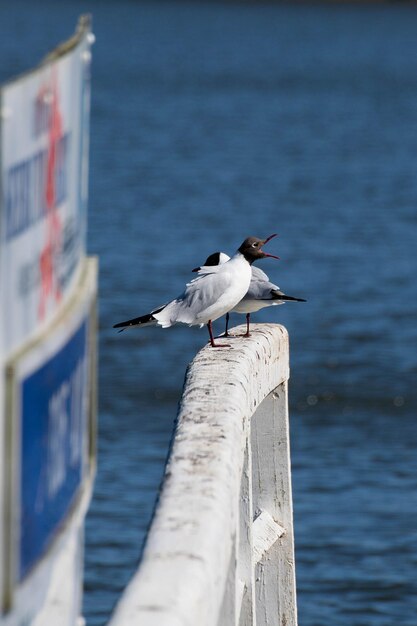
<point>54,418</point>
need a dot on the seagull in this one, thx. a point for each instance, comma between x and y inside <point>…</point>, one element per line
<point>261,292</point>
<point>216,290</point>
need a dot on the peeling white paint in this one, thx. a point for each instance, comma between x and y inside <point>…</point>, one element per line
<point>265,532</point>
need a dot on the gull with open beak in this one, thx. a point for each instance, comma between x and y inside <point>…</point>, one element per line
<point>214,292</point>
<point>261,293</point>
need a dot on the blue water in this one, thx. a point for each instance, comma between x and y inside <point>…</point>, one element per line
<point>211,122</point>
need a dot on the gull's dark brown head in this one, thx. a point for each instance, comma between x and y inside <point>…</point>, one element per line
<point>251,249</point>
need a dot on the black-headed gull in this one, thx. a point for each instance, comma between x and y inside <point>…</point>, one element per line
<point>261,292</point>
<point>216,290</point>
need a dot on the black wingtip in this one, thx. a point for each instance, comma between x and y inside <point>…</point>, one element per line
<point>121,325</point>
<point>136,321</point>
<point>278,295</point>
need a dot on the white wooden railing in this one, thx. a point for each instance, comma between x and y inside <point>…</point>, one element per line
<point>220,549</point>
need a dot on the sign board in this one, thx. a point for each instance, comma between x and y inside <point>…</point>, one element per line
<point>53,395</point>
<point>49,442</point>
<point>43,157</point>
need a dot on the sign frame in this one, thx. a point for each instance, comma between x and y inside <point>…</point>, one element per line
<point>82,309</point>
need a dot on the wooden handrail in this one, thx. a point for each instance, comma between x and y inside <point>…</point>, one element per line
<point>220,547</point>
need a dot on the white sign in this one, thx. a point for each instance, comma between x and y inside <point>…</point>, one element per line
<point>44,143</point>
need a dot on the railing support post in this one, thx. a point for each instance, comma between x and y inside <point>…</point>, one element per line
<point>275,571</point>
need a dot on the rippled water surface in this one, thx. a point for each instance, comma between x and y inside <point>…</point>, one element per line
<point>213,121</point>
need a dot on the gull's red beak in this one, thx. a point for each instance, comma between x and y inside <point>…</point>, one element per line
<point>272,256</point>
<point>269,238</point>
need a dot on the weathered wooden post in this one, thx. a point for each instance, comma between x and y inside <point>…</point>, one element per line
<point>272,503</point>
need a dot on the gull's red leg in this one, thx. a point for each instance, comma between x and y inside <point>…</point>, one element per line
<point>247,325</point>
<point>226,334</point>
<point>215,345</point>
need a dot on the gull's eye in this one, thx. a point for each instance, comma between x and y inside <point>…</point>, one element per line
<point>255,244</point>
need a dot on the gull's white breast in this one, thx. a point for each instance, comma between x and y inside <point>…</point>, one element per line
<point>214,292</point>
